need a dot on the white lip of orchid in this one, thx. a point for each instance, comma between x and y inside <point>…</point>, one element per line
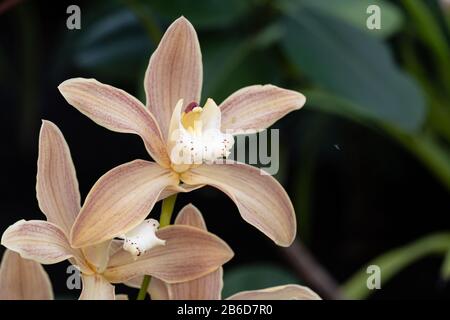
<point>195,136</point>
<point>142,238</point>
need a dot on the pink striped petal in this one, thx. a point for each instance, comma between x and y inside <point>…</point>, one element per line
<point>57,186</point>
<point>286,292</point>
<point>258,107</point>
<point>41,241</point>
<point>208,287</point>
<point>191,216</point>
<point>261,200</point>
<point>175,71</point>
<point>189,253</point>
<point>119,201</point>
<point>116,110</point>
<point>158,290</point>
<point>22,279</point>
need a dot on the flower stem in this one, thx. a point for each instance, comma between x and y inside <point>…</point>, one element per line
<point>164,220</point>
<point>144,286</point>
<point>166,211</point>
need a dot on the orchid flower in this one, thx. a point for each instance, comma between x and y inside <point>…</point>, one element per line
<point>172,253</point>
<point>185,139</point>
<point>22,279</point>
<point>209,287</point>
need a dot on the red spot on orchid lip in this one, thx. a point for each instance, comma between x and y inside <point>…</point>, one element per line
<point>191,106</point>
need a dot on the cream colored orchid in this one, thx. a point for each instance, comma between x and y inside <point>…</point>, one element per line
<point>171,253</point>
<point>22,279</point>
<point>209,287</point>
<point>185,140</point>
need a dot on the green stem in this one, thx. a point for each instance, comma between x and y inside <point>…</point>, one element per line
<point>431,34</point>
<point>439,114</point>
<point>166,211</point>
<point>164,220</point>
<point>144,286</point>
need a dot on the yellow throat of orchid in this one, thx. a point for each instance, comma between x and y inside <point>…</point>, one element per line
<point>195,135</point>
<point>191,118</point>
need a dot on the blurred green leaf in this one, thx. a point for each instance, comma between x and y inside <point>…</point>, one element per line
<point>310,135</point>
<point>112,46</point>
<point>348,63</point>
<point>254,277</point>
<point>396,260</point>
<point>231,63</point>
<point>202,13</point>
<point>112,41</point>
<point>438,117</point>
<point>321,100</point>
<point>424,147</point>
<point>147,19</point>
<point>220,82</point>
<point>430,32</point>
<point>445,269</point>
<point>355,13</point>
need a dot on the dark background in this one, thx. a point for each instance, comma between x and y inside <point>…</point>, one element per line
<point>358,191</point>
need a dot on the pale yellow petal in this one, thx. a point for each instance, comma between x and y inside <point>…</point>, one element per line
<point>41,241</point>
<point>116,245</point>
<point>261,200</point>
<point>158,289</point>
<point>175,123</point>
<point>174,72</point>
<point>258,107</point>
<point>22,279</point>
<point>189,253</point>
<point>119,201</point>
<point>122,296</point>
<point>96,287</point>
<point>57,186</point>
<point>116,110</point>
<point>134,282</point>
<point>286,292</point>
<point>98,255</point>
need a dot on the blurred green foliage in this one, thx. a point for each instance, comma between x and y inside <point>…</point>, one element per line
<point>445,270</point>
<point>347,62</point>
<point>203,14</point>
<point>350,11</point>
<point>394,261</point>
